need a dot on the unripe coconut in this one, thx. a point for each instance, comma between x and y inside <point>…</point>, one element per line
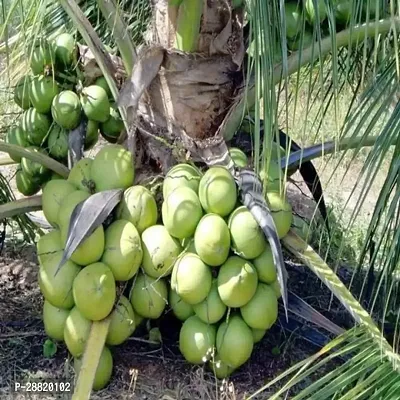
<point>160,251</point>
<point>281,211</point>
<point>65,50</point>
<point>181,212</point>
<point>33,168</point>
<point>237,281</point>
<point>277,289</point>
<point>66,109</point>
<point>76,332</point>
<point>26,185</point>
<point>261,311</point>
<point>54,320</point>
<point>57,289</point>
<point>265,266</point>
<point>95,103</point>
<point>258,334</point>
<point>91,249</point>
<point>92,134</point>
<point>315,13</point>
<point>301,227</point>
<point>22,92</point>
<point>180,308</point>
<point>149,296</point>
<point>122,250</point>
<point>211,309</point>
<point>234,341</point>
<point>217,191</point>
<point>112,168</point>
<point>94,291</point>
<point>239,158</point>
<point>272,181</point>
<point>191,278</point>
<point>212,240</point>
<point>42,58</point>
<point>343,11</point>
<point>247,237</point>
<point>220,369</point>
<point>102,82</point>
<point>36,126</point>
<point>294,19</point>
<point>103,371</point>
<point>79,176</point>
<point>57,142</point>
<point>181,175</point>
<point>53,194</point>
<point>139,207</point>
<point>49,247</point>
<point>114,124</point>
<point>197,340</point>
<point>16,135</point>
<point>43,91</point>
<point>122,323</point>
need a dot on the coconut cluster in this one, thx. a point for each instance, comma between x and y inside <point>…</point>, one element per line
<point>54,102</point>
<point>200,255</point>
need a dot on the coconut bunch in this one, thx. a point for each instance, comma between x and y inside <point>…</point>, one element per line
<point>54,101</point>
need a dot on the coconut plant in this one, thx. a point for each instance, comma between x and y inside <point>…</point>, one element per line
<point>202,127</point>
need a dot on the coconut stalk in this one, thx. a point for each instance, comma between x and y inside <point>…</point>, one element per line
<point>21,206</point>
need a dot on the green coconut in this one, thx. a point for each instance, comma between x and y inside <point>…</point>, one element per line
<point>239,158</point>
<point>281,211</point>
<point>138,206</point>
<point>91,249</point>
<point>102,82</point>
<point>247,237</point>
<point>220,369</point>
<point>211,309</point>
<point>160,251</point>
<point>315,13</point>
<point>149,296</point>
<point>53,194</point>
<point>22,92</point>
<point>237,281</point>
<point>343,11</point>
<point>122,250</point>
<point>43,91</point>
<point>272,180</point>
<point>122,322</point>
<point>180,308</point>
<point>49,247</point>
<point>80,177</point>
<point>54,321</point>
<point>65,50</point>
<point>277,289</point>
<point>33,168</point>
<point>94,291</point>
<point>66,109</point>
<point>212,240</point>
<point>181,175</point>
<point>294,19</point>
<point>217,191</point>
<point>265,266</point>
<point>95,103</point>
<point>16,135</point>
<point>114,124</point>
<point>92,135</point>
<point>234,341</point>
<point>181,212</point>
<point>301,227</point>
<point>42,58</point>
<point>57,142</point>
<point>113,168</point>
<point>76,332</point>
<point>36,126</point>
<point>258,334</point>
<point>261,311</point>
<point>57,289</point>
<point>197,340</point>
<point>26,185</point>
<point>104,369</point>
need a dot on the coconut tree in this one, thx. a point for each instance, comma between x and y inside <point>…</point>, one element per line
<point>203,70</point>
